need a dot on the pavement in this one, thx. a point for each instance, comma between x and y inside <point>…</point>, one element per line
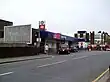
<point>25,58</point>
<point>108,80</point>
<point>76,67</point>
<point>103,77</point>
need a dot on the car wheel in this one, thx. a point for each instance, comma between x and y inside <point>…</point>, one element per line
<point>68,52</point>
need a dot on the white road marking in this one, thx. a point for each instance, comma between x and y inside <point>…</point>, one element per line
<point>79,57</point>
<point>6,73</point>
<point>53,56</point>
<point>66,55</point>
<point>48,58</point>
<point>60,62</point>
<point>52,64</point>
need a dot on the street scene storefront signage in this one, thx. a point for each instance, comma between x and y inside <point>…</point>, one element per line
<point>57,36</point>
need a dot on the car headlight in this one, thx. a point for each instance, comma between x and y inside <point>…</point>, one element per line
<point>67,48</point>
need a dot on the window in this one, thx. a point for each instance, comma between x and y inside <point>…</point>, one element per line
<point>87,37</point>
<point>76,35</point>
<point>81,35</point>
<point>1,34</point>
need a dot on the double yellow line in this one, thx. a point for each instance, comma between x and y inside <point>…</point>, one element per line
<point>101,75</point>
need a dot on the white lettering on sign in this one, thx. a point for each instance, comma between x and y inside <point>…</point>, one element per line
<point>63,37</point>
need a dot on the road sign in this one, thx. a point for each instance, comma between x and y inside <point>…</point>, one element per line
<point>42,25</point>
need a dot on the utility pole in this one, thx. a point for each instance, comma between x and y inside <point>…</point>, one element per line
<point>103,37</point>
<point>92,37</point>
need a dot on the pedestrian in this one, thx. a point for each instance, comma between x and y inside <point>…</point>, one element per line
<point>88,47</point>
<point>46,49</point>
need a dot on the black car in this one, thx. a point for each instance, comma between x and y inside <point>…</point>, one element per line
<point>63,50</point>
<point>73,49</point>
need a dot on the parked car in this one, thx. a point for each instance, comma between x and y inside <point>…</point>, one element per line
<point>107,49</point>
<point>73,49</point>
<point>64,50</point>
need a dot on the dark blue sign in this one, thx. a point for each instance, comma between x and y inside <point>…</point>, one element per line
<point>46,34</point>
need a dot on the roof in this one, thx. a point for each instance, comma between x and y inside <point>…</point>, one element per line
<point>81,40</point>
<point>68,38</point>
<point>1,20</point>
<point>48,34</point>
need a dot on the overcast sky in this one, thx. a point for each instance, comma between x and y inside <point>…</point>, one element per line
<point>62,16</point>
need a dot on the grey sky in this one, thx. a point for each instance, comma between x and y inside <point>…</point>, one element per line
<point>64,16</point>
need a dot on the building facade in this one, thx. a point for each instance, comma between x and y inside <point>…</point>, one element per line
<point>2,24</point>
<point>54,40</point>
<point>82,35</point>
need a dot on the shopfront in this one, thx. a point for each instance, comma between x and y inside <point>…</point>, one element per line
<point>55,40</point>
<point>49,38</point>
<point>68,40</point>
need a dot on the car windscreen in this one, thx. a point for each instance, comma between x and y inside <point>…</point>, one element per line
<point>64,46</point>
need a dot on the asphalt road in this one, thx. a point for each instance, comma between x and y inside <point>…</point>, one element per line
<point>76,67</point>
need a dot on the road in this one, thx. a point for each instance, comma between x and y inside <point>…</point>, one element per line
<point>76,67</point>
